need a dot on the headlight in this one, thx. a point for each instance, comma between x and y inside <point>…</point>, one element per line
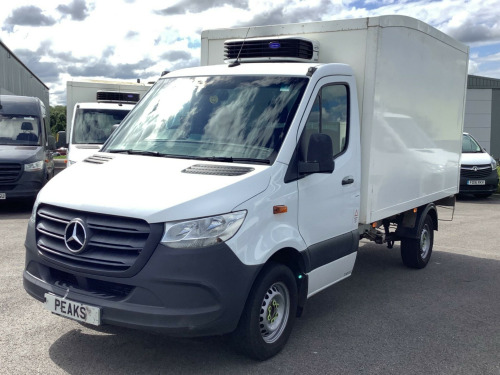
<point>33,212</point>
<point>493,164</point>
<point>33,167</point>
<point>202,232</point>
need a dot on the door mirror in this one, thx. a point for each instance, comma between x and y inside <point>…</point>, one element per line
<point>319,155</point>
<point>61,139</point>
<point>51,141</point>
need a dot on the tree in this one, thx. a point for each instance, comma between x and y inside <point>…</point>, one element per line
<point>57,118</point>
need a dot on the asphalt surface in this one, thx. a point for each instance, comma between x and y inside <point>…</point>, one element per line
<point>384,319</point>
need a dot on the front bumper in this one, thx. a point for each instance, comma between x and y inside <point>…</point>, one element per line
<point>180,292</point>
<point>27,186</point>
<point>490,186</point>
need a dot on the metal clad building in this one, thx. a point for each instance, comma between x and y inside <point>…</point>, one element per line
<point>482,112</point>
<point>17,79</point>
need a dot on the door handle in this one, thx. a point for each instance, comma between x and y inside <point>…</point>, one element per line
<point>347,180</point>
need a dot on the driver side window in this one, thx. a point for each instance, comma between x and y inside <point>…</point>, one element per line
<point>329,115</point>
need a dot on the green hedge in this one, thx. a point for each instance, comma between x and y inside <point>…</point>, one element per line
<point>498,171</point>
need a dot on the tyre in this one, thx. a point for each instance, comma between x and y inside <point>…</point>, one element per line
<point>266,322</point>
<point>416,252</point>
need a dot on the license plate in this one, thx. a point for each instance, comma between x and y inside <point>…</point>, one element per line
<point>73,310</point>
<point>3,196</point>
<point>476,182</point>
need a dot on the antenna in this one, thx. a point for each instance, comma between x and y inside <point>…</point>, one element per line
<point>236,62</point>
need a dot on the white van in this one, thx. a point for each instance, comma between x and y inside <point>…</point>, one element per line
<point>234,192</point>
<point>478,170</point>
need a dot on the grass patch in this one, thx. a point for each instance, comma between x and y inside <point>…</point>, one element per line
<point>498,171</point>
<point>60,157</point>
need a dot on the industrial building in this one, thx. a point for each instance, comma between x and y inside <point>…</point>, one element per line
<point>482,112</point>
<point>17,79</point>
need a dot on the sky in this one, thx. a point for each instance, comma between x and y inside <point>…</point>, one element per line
<point>59,40</point>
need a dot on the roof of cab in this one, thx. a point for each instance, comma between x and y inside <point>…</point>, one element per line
<point>269,69</point>
<point>20,105</point>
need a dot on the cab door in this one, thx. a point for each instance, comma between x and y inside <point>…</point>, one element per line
<point>329,202</point>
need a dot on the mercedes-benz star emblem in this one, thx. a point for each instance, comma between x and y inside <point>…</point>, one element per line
<point>474,168</point>
<point>75,236</point>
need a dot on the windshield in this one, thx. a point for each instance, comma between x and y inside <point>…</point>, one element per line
<point>469,145</point>
<point>19,130</point>
<point>95,125</point>
<point>225,117</point>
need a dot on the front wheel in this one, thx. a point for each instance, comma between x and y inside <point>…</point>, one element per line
<point>416,252</point>
<point>266,322</point>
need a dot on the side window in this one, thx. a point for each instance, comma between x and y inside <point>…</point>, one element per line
<point>329,115</point>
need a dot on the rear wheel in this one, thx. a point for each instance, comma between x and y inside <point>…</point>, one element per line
<point>416,252</point>
<point>267,321</point>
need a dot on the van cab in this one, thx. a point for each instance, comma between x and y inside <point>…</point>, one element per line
<point>26,161</point>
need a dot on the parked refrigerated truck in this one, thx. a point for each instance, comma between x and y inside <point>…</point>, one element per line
<point>94,108</point>
<point>26,146</point>
<point>234,192</point>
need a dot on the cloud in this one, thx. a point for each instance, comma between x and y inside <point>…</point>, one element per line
<point>181,64</point>
<point>77,10</point>
<point>29,15</point>
<point>472,32</point>
<point>176,55</point>
<point>131,34</point>
<point>48,72</point>
<point>198,6</point>
<point>282,13</point>
<point>103,68</point>
<point>45,49</point>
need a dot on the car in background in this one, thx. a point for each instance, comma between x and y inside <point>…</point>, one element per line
<point>61,150</point>
<point>26,147</point>
<point>478,170</point>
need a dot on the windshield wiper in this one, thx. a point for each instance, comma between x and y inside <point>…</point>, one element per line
<point>230,159</point>
<point>135,152</point>
<point>193,157</point>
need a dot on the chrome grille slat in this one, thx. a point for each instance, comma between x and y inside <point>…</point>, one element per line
<point>41,230</point>
<point>481,171</point>
<point>114,243</point>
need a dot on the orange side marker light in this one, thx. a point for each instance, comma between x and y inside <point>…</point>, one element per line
<point>281,209</point>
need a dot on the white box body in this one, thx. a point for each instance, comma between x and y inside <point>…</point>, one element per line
<point>411,81</point>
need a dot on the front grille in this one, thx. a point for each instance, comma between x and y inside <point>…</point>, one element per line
<point>114,243</point>
<point>217,170</point>
<point>9,172</point>
<point>482,171</point>
<point>295,48</point>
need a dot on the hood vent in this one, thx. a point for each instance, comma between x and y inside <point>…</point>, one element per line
<point>271,49</point>
<point>98,159</point>
<point>88,147</point>
<point>217,170</point>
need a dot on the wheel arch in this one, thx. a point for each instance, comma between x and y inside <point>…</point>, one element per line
<point>297,262</point>
<point>418,220</point>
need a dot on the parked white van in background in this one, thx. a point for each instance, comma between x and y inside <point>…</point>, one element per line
<point>478,170</point>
